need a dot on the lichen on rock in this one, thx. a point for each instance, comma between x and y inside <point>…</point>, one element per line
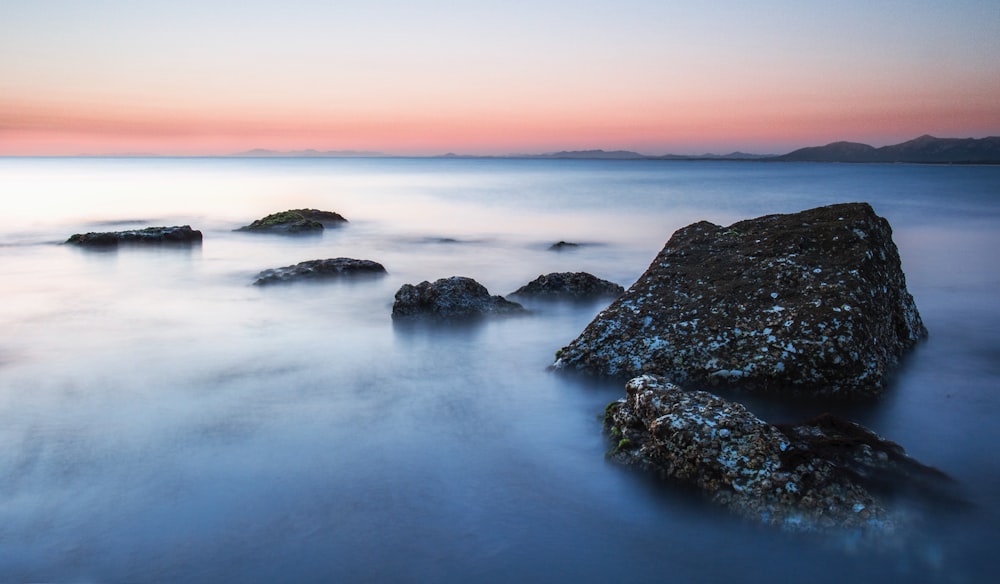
<point>811,302</point>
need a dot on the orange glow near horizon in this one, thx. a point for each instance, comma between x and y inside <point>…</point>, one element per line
<point>62,130</point>
<point>653,77</point>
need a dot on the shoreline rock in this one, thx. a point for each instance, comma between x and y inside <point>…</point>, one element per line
<point>180,234</point>
<point>578,286</point>
<point>826,476</point>
<point>450,298</point>
<point>812,302</point>
<point>334,268</point>
<point>295,222</point>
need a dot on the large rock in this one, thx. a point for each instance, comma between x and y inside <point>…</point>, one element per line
<point>334,268</point>
<point>177,234</point>
<point>814,302</point>
<point>450,298</point>
<point>295,221</point>
<point>569,286</point>
<point>825,475</point>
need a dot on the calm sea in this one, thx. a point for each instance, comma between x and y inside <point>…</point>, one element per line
<point>163,420</point>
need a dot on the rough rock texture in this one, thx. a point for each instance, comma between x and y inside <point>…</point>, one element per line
<point>450,298</point>
<point>813,301</point>
<point>176,234</point>
<point>827,474</point>
<point>320,270</point>
<point>569,285</point>
<point>295,221</point>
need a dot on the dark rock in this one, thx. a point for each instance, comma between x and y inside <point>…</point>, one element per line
<point>320,270</point>
<point>569,285</point>
<point>178,234</point>
<point>825,475</point>
<point>450,298</point>
<point>561,245</point>
<point>295,221</point>
<point>814,302</point>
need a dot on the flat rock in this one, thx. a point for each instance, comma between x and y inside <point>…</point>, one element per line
<point>295,221</point>
<point>812,302</point>
<point>450,298</point>
<point>182,234</point>
<point>826,475</point>
<point>335,268</point>
<point>569,286</point>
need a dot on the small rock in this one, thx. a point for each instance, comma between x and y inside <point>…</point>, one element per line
<point>150,235</point>
<point>569,285</point>
<point>563,245</point>
<point>450,298</point>
<point>295,221</point>
<point>320,270</point>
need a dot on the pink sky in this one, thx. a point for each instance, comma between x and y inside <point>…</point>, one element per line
<point>425,77</point>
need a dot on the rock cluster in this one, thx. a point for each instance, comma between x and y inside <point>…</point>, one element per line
<point>176,234</point>
<point>449,298</point>
<point>569,285</point>
<point>320,270</point>
<point>824,475</point>
<point>295,221</point>
<point>812,302</point>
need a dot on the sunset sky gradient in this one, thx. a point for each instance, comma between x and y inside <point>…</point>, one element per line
<point>423,77</point>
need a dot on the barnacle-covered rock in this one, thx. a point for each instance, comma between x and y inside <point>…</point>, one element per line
<point>334,268</point>
<point>824,475</point>
<point>182,234</point>
<point>568,286</point>
<point>813,302</point>
<point>449,298</point>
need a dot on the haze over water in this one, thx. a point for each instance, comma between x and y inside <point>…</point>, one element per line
<point>162,419</point>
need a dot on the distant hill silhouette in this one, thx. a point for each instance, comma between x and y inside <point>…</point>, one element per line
<point>923,150</point>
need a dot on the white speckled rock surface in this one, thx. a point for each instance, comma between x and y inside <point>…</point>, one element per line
<point>812,302</point>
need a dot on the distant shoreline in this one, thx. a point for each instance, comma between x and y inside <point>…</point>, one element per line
<point>922,150</point>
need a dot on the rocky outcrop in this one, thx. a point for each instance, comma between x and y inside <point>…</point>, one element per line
<point>812,302</point>
<point>335,268</point>
<point>825,475</point>
<point>568,286</point>
<point>295,221</point>
<point>450,298</point>
<point>182,234</point>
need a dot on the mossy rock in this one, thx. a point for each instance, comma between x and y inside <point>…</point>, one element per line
<point>295,221</point>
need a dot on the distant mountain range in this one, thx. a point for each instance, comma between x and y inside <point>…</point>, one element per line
<point>925,149</point>
<point>922,150</point>
<point>310,153</point>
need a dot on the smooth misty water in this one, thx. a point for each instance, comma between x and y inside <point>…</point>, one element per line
<point>163,420</point>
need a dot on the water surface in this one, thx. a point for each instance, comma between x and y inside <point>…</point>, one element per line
<point>162,419</point>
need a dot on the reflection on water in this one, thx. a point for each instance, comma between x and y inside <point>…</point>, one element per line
<point>163,419</point>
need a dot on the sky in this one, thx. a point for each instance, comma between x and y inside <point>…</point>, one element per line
<point>425,77</point>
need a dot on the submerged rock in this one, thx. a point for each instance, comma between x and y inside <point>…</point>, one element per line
<point>320,270</point>
<point>825,475</point>
<point>813,301</point>
<point>295,221</point>
<point>569,285</point>
<point>176,234</point>
<point>563,245</point>
<point>450,298</point>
